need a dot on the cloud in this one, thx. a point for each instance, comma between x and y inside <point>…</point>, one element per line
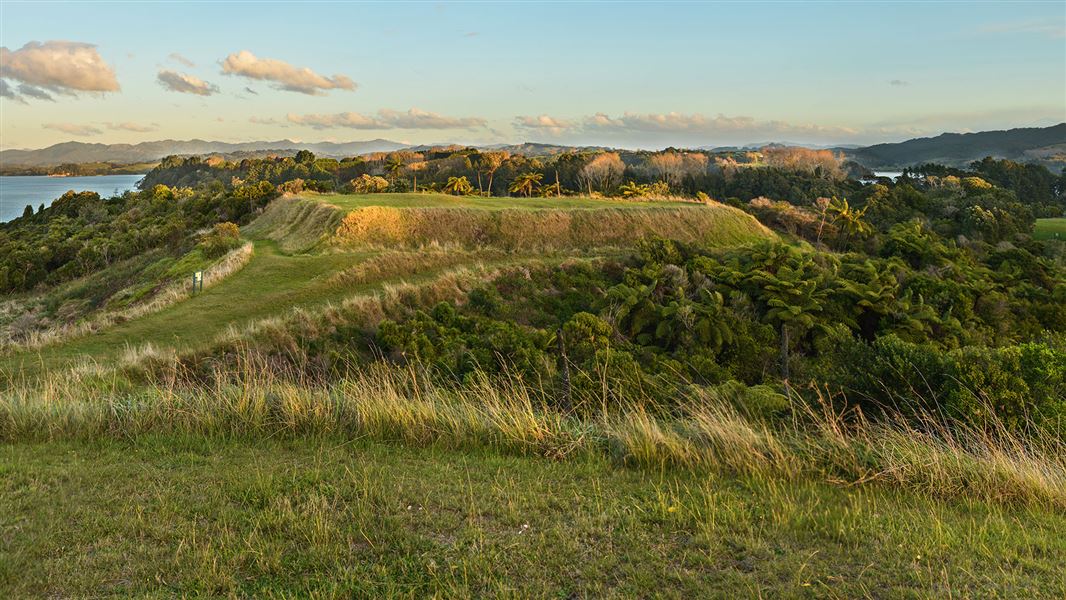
<point>552,125</point>
<point>285,76</point>
<point>35,92</point>
<point>185,84</point>
<point>420,119</point>
<point>898,83</point>
<point>174,56</point>
<point>701,124</point>
<point>59,67</point>
<point>387,119</point>
<point>6,91</point>
<point>471,34</point>
<point>129,126</point>
<point>265,121</point>
<point>73,129</point>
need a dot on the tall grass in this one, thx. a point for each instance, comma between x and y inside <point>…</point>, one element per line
<point>508,414</point>
<point>546,229</point>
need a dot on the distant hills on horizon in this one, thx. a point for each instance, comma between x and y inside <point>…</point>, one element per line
<point>1044,145</point>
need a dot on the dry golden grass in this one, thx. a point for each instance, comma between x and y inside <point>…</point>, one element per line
<point>393,403</point>
<point>543,229</point>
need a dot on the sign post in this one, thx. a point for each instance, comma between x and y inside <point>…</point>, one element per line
<point>197,281</point>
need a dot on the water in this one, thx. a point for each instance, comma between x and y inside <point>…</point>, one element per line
<point>890,174</point>
<point>17,192</point>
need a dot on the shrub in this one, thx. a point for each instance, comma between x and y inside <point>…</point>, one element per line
<point>369,184</point>
<point>222,238</point>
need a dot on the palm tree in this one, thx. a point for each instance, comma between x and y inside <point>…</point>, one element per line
<point>525,183</point>
<point>393,166</point>
<point>458,186</point>
<point>793,298</point>
<point>849,220</point>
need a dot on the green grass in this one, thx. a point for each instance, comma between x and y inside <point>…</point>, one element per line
<point>354,201</point>
<point>331,517</point>
<point>1047,229</point>
<point>272,284</point>
<point>293,267</point>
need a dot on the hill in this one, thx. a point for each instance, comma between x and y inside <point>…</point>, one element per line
<point>622,395</point>
<point>81,152</point>
<point>1045,145</point>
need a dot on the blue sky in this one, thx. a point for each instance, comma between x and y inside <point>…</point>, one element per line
<point>633,74</point>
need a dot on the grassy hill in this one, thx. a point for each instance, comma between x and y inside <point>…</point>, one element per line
<point>221,474</point>
<point>305,250</point>
<point>1033,144</point>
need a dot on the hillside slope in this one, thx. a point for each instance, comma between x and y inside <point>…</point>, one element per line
<point>1046,145</point>
<point>316,250</point>
<point>82,152</point>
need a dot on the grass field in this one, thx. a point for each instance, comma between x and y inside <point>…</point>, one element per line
<point>332,518</point>
<point>1047,229</point>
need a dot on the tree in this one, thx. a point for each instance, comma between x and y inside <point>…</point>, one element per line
<point>393,165</point>
<point>369,184</point>
<point>602,171</point>
<point>458,186</point>
<point>850,221</point>
<point>793,298</point>
<point>525,184</point>
<point>672,166</point>
<point>490,162</point>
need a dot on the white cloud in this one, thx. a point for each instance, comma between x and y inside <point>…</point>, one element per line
<point>284,75</point>
<point>552,125</point>
<point>185,84</point>
<point>74,129</point>
<point>60,67</point>
<point>898,83</point>
<point>387,119</point>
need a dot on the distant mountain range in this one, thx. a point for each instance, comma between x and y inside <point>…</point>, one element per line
<point>1044,145</point>
<point>80,152</point>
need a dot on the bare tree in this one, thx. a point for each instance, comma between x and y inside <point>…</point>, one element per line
<point>603,171</point>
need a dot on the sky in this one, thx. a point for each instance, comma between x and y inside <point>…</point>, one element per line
<point>633,74</point>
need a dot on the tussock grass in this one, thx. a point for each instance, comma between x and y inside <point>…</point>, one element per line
<point>399,263</point>
<point>296,224</point>
<point>545,229</point>
<point>389,403</point>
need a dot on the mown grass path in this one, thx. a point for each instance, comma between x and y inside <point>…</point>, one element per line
<point>271,284</point>
<point>1048,229</point>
